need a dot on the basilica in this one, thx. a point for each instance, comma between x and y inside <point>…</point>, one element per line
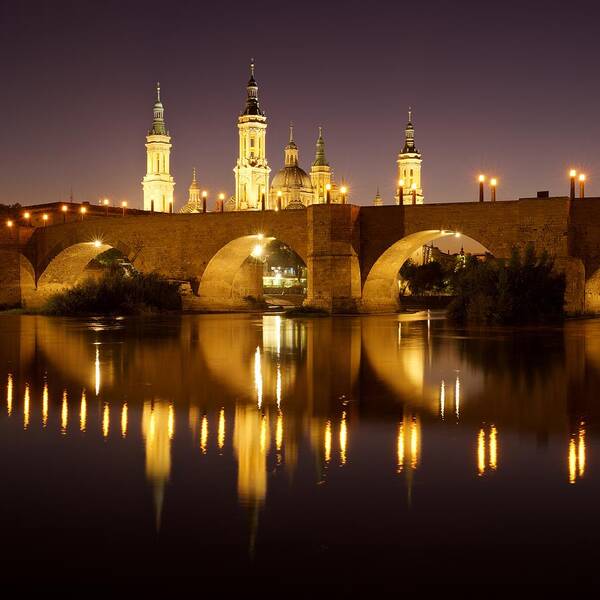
<point>290,188</point>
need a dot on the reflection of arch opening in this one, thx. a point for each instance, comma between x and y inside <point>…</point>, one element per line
<point>380,290</point>
<point>235,273</point>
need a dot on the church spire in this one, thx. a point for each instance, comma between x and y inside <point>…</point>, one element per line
<point>158,123</point>
<point>320,160</point>
<point>409,141</point>
<point>291,150</point>
<point>252,105</point>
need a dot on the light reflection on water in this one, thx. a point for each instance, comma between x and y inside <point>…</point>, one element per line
<point>345,402</point>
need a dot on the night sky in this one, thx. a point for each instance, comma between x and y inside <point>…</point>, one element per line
<point>510,90</point>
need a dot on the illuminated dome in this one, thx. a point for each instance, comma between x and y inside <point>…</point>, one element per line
<point>292,177</point>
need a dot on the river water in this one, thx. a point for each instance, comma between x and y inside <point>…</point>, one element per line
<point>234,449</point>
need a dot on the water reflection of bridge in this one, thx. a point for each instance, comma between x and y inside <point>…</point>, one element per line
<point>260,388</point>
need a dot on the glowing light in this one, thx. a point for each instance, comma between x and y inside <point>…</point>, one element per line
<point>278,387</point>
<point>106,202</point>
<point>105,420</point>
<point>26,407</point>
<point>257,251</point>
<point>279,193</point>
<point>413,186</point>
<point>83,210</point>
<point>493,182</point>
<point>572,461</point>
<point>581,177</point>
<point>124,420</point>
<point>572,173</point>
<point>204,434</point>
<point>64,414</point>
<point>9,394</point>
<point>263,434</point>
<point>97,243</point>
<point>414,443</point>
<point>327,441</point>
<point>401,183</point>
<point>581,450</point>
<point>481,452</point>
<point>83,411</point>
<point>171,422</point>
<point>400,448</point>
<point>328,187</point>
<point>258,380</point>
<point>9,223</point>
<point>343,439</point>
<point>279,432</point>
<point>457,397</point>
<point>457,234</point>
<point>64,208</point>
<point>481,178</point>
<point>343,189</point>
<point>26,215</point>
<point>97,371</point>
<point>45,405</point>
<point>442,398</point>
<point>493,448</point>
<point>204,193</point>
<point>221,429</point>
<point>124,204</point>
<point>221,197</point>
<point>45,217</point>
<point>260,236</point>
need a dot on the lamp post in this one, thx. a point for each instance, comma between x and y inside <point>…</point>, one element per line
<point>493,184</point>
<point>124,206</point>
<point>204,196</point>
<point>328,193</point>
<point>481,181</point>
<point>278,206</point>
<point>10,224</point>
<point>27,217</point>
<point>221,202</point>
<point>572,175</point>
<point>45,219</point>
<point>413,191</point>
<point>343,191</point>
<point>262,201</point>
<point>64,208</point>
<point>83,210</point>
<point>401,192</point>
<point>170,207</point>
<point>581,185</point>
<point>106,203</point>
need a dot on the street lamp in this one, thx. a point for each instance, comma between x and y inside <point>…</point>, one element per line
<point>106,203</point>
<point>328,193</point>
<point>124,206</point>
<point>581,185</point>
<point>45,219</point>
<point>401,192</point>
<point>83,210</point>
<point>64,209</point>
<point>204,196</point>
<point>221,202</point>
<point>572,175</point>
<point>493,184</point>
<point>413,190</point>
<point>27,217</point>
<point>481,181</point>
<point>343,191</point>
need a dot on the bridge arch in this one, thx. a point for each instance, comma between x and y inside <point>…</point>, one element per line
<point>234,272</point>
<point>380,287</point>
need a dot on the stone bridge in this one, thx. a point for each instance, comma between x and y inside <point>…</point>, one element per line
<point>352,253</point>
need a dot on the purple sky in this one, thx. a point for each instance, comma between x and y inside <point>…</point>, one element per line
<point>507,89</point>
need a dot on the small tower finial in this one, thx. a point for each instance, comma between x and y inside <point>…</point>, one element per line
<point>158,91</point>
<point>252,67</point>
<point>409,114</point>
<point>194,175</point>
<point>291,131</point>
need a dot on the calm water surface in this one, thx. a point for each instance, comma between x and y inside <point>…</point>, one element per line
<point>234,449</point>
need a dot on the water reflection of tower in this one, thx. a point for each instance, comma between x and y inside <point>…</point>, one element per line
<point>157,429</point>
<point>408,449</point>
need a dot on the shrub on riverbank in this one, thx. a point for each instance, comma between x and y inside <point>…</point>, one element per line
<point>524,289</point>
<point>117,292</point>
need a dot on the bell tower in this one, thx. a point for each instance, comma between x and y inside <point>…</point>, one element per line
<point>158,183</point>
<point>252,169</point>
<point>409,166</point>
<point>320,172</point>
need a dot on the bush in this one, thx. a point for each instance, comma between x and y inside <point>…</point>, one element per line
<point>523,290</point>
<point>117,292</point>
